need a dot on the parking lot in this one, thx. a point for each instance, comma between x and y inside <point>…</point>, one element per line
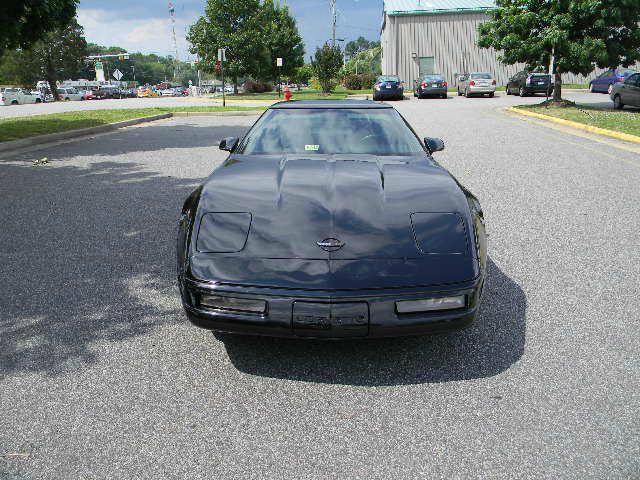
<point>101,376</point>
<point>582,97</point>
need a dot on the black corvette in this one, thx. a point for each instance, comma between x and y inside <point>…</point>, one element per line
<point>331,219</point>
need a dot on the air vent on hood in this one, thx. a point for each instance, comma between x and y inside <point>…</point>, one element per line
<point>440,233</point>
<point>223,232</point>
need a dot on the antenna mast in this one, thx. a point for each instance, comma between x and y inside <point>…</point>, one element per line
<point>172,16</point>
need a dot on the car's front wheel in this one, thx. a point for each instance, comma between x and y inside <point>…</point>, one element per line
<point>491,95</point>
<point>506,90</point>
<point>617,103</point>
<point>522,92</point>
<point>609,90</point>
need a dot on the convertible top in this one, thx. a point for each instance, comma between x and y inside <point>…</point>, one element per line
<point>324,104</point>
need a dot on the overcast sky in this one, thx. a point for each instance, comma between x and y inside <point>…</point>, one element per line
<point>144,25</point>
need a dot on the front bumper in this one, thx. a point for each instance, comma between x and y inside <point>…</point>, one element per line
<point>282,317</point>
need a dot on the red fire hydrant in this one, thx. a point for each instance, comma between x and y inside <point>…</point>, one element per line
<point>287,93</point>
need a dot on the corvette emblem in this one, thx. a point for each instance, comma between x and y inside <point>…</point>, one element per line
<point>330,244</point>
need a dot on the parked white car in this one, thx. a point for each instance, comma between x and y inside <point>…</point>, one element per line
<point>167,92</point>
<point>69,93</point>
<point>18,96</point>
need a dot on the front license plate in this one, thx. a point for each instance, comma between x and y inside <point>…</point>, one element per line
<point>336,320</point>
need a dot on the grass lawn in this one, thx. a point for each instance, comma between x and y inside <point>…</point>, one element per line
<point>23,127</point>
<point>340,93</point>
<point>625,121</point>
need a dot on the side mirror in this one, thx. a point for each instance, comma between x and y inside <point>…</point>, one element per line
<point>228,144</point>
<point>434,144</point>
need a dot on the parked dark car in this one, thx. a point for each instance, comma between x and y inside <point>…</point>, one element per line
<point>430,85</point>
<point>105,91</point>
<point>604,82</point>
<point>388,87</point>
<point>331,219</point>
<point>527,83</point>
<point>626,93</point>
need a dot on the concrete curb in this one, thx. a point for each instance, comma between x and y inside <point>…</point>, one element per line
<point>42,140</point>
<point>218,114</point>
<point>580,126</point>
<point>54,137</point>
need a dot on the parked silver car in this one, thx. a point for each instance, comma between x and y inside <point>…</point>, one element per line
<point>476,83</point>
<point>626,93</point>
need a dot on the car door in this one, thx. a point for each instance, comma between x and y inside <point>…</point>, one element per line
<point>630,90</point>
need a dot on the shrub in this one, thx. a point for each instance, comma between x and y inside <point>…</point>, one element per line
<point>367,80</point>
<point>326,65</point>
<point>314,83</point>
<point>352,82</point>
<point>257,86</point>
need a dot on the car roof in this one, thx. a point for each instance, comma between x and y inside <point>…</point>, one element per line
<point>325,104</point>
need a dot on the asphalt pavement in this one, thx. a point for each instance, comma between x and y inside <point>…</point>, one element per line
<point>102,377</point>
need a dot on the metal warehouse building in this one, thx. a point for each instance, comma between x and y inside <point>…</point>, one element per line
<point>440,36</point>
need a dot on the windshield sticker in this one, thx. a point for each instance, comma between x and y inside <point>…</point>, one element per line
<point>312,148</point>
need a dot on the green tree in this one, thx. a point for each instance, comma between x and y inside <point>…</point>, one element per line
<point>19,67</point>
<point>24,22</point>
<point>368,61</point>
<point>326,65</point>
<point>234,25</point>
<point>302,74</point>
<point>281,39</point>
<point>578,33</point>
<point>60,54</point>
<point>359,45</point>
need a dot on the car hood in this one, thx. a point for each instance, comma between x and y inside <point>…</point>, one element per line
<point>368,203</point>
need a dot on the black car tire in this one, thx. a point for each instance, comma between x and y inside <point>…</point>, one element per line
<point>617,103</point>
<point>376,98</point>
<point>491,95</point>
<point>522,92</point>
<point>507,91</point>
<point>14,102</point>
<point>444,95</point>
<point>459,93</point>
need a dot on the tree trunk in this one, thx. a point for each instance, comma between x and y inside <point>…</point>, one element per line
<point>557,88</point>
<point>51,80</point>
<point>235,85</point>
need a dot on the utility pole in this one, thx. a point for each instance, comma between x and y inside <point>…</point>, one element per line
<point>334,21</point>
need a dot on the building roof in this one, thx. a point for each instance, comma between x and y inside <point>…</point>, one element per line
<point>433,7</point>
<point>321,104</point>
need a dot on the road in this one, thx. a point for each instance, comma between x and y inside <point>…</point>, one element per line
<point>584,98</point>
<point>8,111</point>
<point>102,377</point>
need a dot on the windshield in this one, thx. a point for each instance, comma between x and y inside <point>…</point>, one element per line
<point>432,78</point>
<point>482,76</point>
<point>388,78</point>
<point>331,131</point>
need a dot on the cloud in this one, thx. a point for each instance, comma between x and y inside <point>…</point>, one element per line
<point>150,34</point>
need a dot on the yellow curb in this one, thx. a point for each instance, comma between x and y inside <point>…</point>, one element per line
<point>580,126</point>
